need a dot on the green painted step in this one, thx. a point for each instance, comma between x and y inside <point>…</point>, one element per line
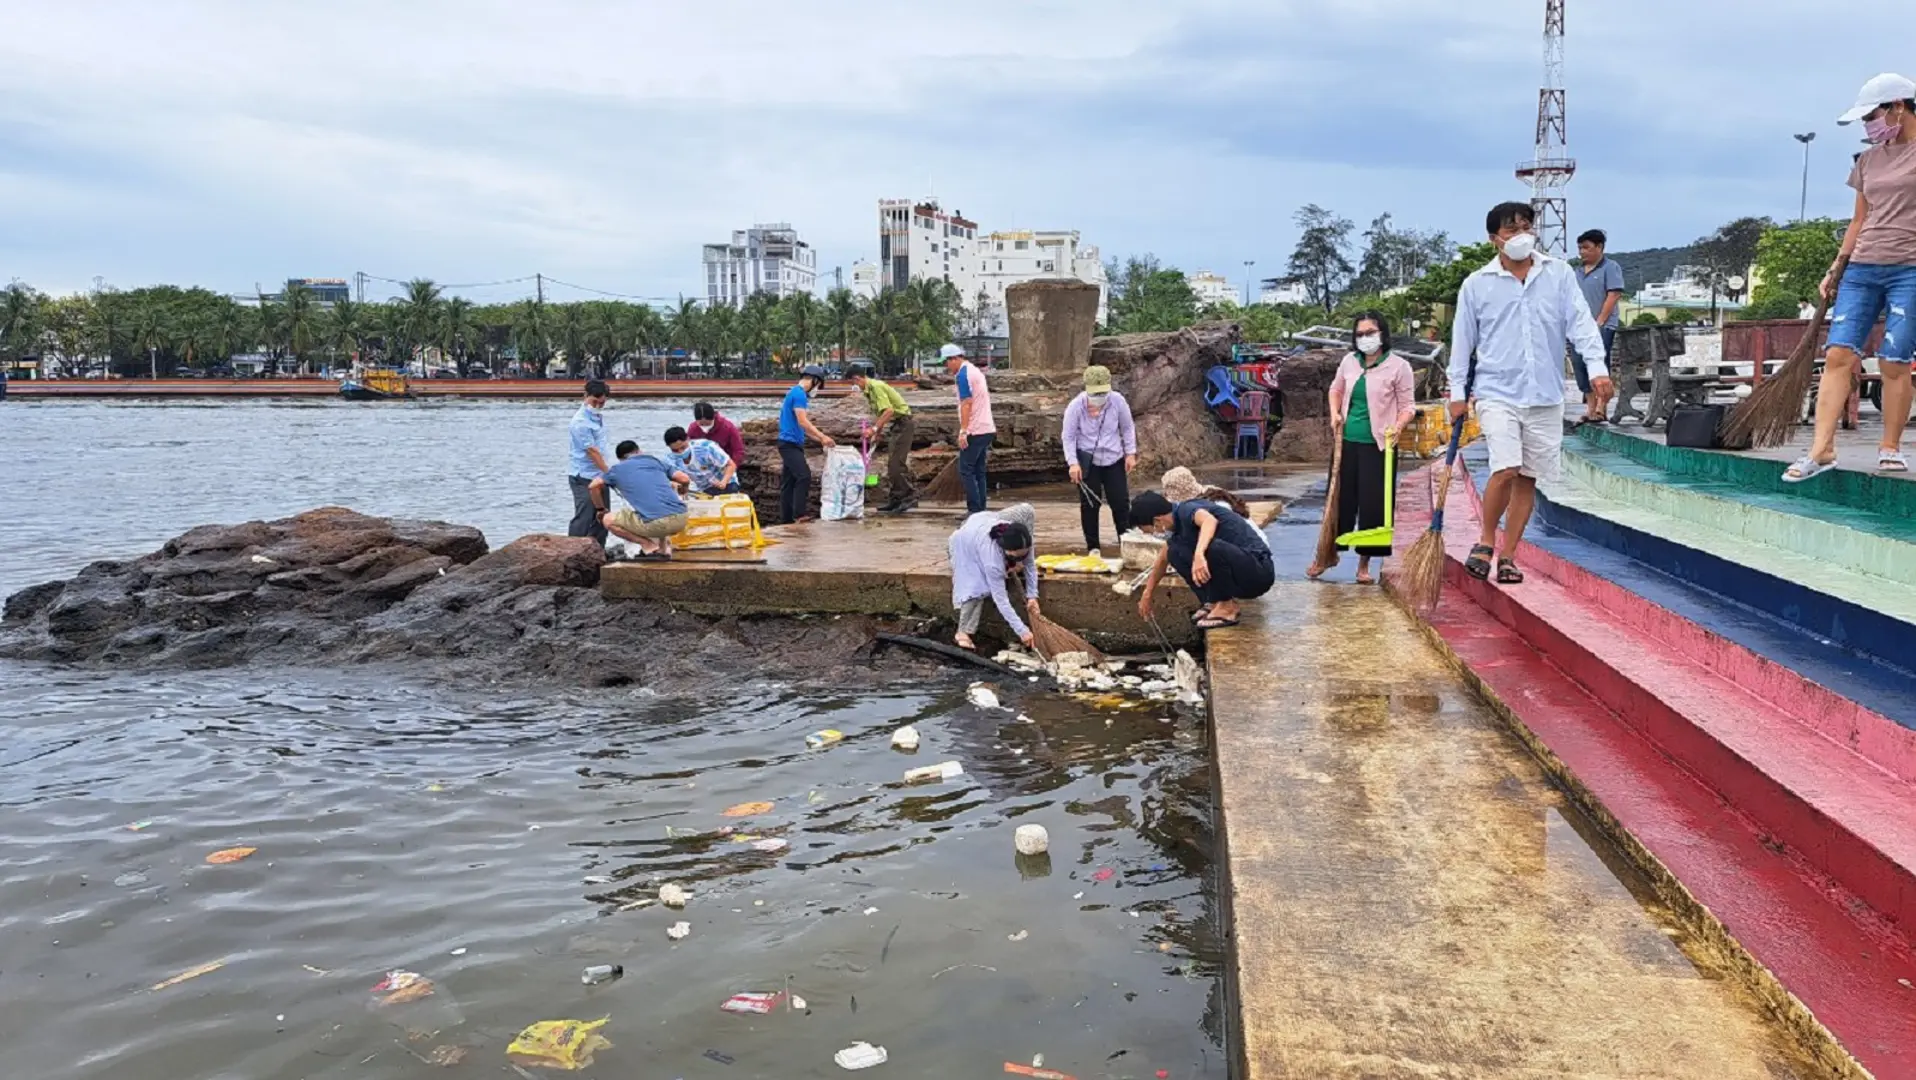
<point>1889,497</point>
<point>1853,540</point>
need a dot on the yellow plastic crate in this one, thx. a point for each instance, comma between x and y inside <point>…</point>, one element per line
<point>723,521</point>
<point>1429,434</point>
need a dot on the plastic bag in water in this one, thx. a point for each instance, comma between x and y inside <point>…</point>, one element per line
<point>559,1044</point>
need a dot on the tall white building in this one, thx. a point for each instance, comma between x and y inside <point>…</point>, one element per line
<point>917,240</point>
<point>1212,288</point>
<point>865,278</point>
<point>1284,291</point>
<point>764,258</point>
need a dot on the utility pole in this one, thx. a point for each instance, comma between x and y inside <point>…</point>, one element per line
<point>1803,204</point>
<point>1552,166</point>
<point>838,276</point>
<point>541,279</point>
<point>1248,263</point>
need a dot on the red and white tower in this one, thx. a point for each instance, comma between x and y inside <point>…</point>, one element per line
<point>1552,167</point>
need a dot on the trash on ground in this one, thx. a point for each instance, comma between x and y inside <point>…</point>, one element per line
<point>446,1056</point>
<point>559,1044</point>
<point>905,738</point>
<point>982,696</point>
<point>673,896</point>
<point>601,973</point>
<point>1019,936</point>
<point>679,931</point>
<point>819,739</point>
<point>722,1059</point>
<point>760,1002</point>
<point>860,1055</point>
<point>1035,1072</point>
<point>748,809</point>
<point>946,770</point>
<point>190,973</point>
<point>229,855</point>
<point>1031,840</point>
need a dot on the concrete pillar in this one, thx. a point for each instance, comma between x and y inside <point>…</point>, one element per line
<point>1052,322</point>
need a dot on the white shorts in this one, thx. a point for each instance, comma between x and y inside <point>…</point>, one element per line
<point>1528,439</point>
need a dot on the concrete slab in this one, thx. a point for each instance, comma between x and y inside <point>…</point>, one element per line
<point>1410,897</point>
<point>894,565</point>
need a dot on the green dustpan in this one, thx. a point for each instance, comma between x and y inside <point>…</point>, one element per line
<point>1384,534</point>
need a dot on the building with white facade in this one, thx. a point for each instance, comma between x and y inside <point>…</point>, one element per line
<point>918,240</point>
<point>1212,288</point>
<point>764,258</point>
<point>1284,291</point>
<point>865,279</point>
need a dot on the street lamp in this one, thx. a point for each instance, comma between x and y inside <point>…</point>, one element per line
<point>1803,205</point>
<point>1248,263</point>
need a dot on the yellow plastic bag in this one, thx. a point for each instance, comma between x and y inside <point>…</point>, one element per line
<point>559,1044</point>
<point>1079,564</point>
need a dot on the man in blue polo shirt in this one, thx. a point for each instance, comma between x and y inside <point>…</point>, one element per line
<point>1601,279</point>
<point>591,457</point>
<point>654,512</point>
<point>794,424</point>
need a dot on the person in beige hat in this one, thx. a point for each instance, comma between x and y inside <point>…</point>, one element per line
<point>1100,450</point>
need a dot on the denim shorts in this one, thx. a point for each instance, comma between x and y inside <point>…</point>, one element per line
<point>1867,290</point>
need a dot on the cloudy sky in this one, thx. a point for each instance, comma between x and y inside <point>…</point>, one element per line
<point>234,143</point>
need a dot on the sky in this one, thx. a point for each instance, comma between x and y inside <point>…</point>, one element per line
<point>234,144</point>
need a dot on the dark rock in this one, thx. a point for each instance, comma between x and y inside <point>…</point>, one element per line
<point>539,559</point>
<point>460,543</point>
<point>382,561</point>
<point>399,583</point>
<point>252,534</point>
<point>31,601</point>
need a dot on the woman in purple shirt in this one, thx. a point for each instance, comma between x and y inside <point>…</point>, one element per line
<point>1101,449</point>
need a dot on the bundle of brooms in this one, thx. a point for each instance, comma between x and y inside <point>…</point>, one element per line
<point>1326,556</point>
<point>1051,641</point>
<point>1770,415</point>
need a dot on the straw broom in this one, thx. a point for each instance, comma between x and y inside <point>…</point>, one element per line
<point>1326,556</point>
<point>1770,415</point>
<point>947,486</point>
<point>1422,571</point>
<point>1051,640</point>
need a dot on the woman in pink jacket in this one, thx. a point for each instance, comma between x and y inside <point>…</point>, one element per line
<point>1373,398</point>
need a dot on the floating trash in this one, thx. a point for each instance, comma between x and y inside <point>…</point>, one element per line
<point>129,879</point>
<point>673,896</point>
<point>820,739</point>
<point>601,973</point>
<point>1035,1072</point>
<point>189,973</point>
<point>905,738</point>
<point>770,843</point>
<point>861,1055</point>
<point>926,774</point>
<point>759,1002</point>
<point>982,696</point>
<point>559,1044</point>
<point>747,809</point>
<point>403,987</point>
<point>138,826</point>
<point>229,855</point>
<point>1031,840</point>
<point>1019,936</point>
<point>1104,874</point>
<point>679,931</point>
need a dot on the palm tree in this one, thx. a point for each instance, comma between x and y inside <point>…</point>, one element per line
<point>458,332</point>
<point>799,316</point>
<point>755,326</point>
<point>605,335</point>
<point>230,330</point>
<point>645,331</point>
<point>887,329</point>
<point>150,331</point>
<point>718,337</point>
<point>301,319</point>
<point>568,336</point>
<point>344,329</point>
<point>841,313</point>
<point>932,305</point>
<point>531,335</point>
<point>683,325</point>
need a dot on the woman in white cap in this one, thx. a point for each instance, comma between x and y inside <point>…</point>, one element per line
<point>1881,278</point>
<point>1100,449</point>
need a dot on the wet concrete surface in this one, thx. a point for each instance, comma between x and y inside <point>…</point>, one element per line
<point>1409,896</point>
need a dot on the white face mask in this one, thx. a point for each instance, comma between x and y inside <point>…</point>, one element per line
<point>1520,247</point>
<point>1370,344</point>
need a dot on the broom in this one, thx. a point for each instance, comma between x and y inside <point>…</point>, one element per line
<point>947,486</point>
<point>1771,413</point>
<point>1051,640</point>
<point>1326,556</point>
<point>1423,566</point>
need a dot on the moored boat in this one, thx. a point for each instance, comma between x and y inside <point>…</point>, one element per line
<point>375,384</point>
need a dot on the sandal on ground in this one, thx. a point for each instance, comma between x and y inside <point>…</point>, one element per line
<point>1200,613</point>
<point>1891,461</point>
<point>1804,468</point>
<point>1507,572</point>
<point>1208,623</point>
<point>1478,565</point>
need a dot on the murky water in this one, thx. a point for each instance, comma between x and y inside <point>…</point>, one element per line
<point>497,844</point>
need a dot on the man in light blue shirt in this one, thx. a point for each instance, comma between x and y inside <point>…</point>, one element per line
<point>1601,278</point>
<point>1514,318</point>
<point>590,459</point>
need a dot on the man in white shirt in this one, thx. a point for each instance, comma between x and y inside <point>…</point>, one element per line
<point>1514,317</point>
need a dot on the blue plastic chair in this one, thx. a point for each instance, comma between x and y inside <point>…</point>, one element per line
<point>1254,410</point>
<point>1221,391</point>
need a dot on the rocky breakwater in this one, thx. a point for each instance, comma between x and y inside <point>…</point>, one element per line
<point>332,586</point>
<point>1160,374</point>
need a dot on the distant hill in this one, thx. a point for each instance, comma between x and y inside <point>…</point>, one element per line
<point>1640,268</point>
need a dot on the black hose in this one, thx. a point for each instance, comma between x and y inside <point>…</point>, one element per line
<point>951,652</point>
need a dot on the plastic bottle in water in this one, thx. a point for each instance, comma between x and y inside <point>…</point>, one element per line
<point>600,973</point>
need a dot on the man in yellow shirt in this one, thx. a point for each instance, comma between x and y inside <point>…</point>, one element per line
<point>889,412</point>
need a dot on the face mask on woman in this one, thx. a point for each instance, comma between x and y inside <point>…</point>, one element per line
<point>1370,344</point>
<point>1096,401</point>
<point>1882,129</point>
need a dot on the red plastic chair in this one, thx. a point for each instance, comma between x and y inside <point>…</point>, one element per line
<point>1254,408</point>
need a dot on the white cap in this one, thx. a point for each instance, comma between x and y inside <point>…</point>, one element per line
<point>946,352</point>
<point>1881,90</point>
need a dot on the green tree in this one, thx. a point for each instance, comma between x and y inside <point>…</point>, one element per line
<point>682,325</point>
<point>458,333</point>
<point>150,330</point>
<point>841,312</point>
<point>1438,287</point>
<point>718,335</point>
<point>232,330</point>
<point>301,318</point>
<point>932,306</point>
<point>799,320</point>
<point>1396,257</point>
<point>887,329</point>
<point>343,330</point>
<point>1321,259</point>
<point>1145,296</point>
<point>757,328</point>
<point>22,321</point>
<point>569,337</point>
<point>1791,261</point>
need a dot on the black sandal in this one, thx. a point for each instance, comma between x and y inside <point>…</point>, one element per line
<point>1200,614</point>
<point>1478,565</point>
<point>1507,572</point>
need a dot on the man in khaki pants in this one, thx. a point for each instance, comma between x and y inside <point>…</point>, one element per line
<point>889,411</point>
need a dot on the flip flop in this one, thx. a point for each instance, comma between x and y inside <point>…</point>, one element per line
<point>1200,613</point>
<point>1891,461</point>
<point>1805,468</point>
<point>1208,623</point>
<point>1507,572</point>
<point>1478,565</point>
